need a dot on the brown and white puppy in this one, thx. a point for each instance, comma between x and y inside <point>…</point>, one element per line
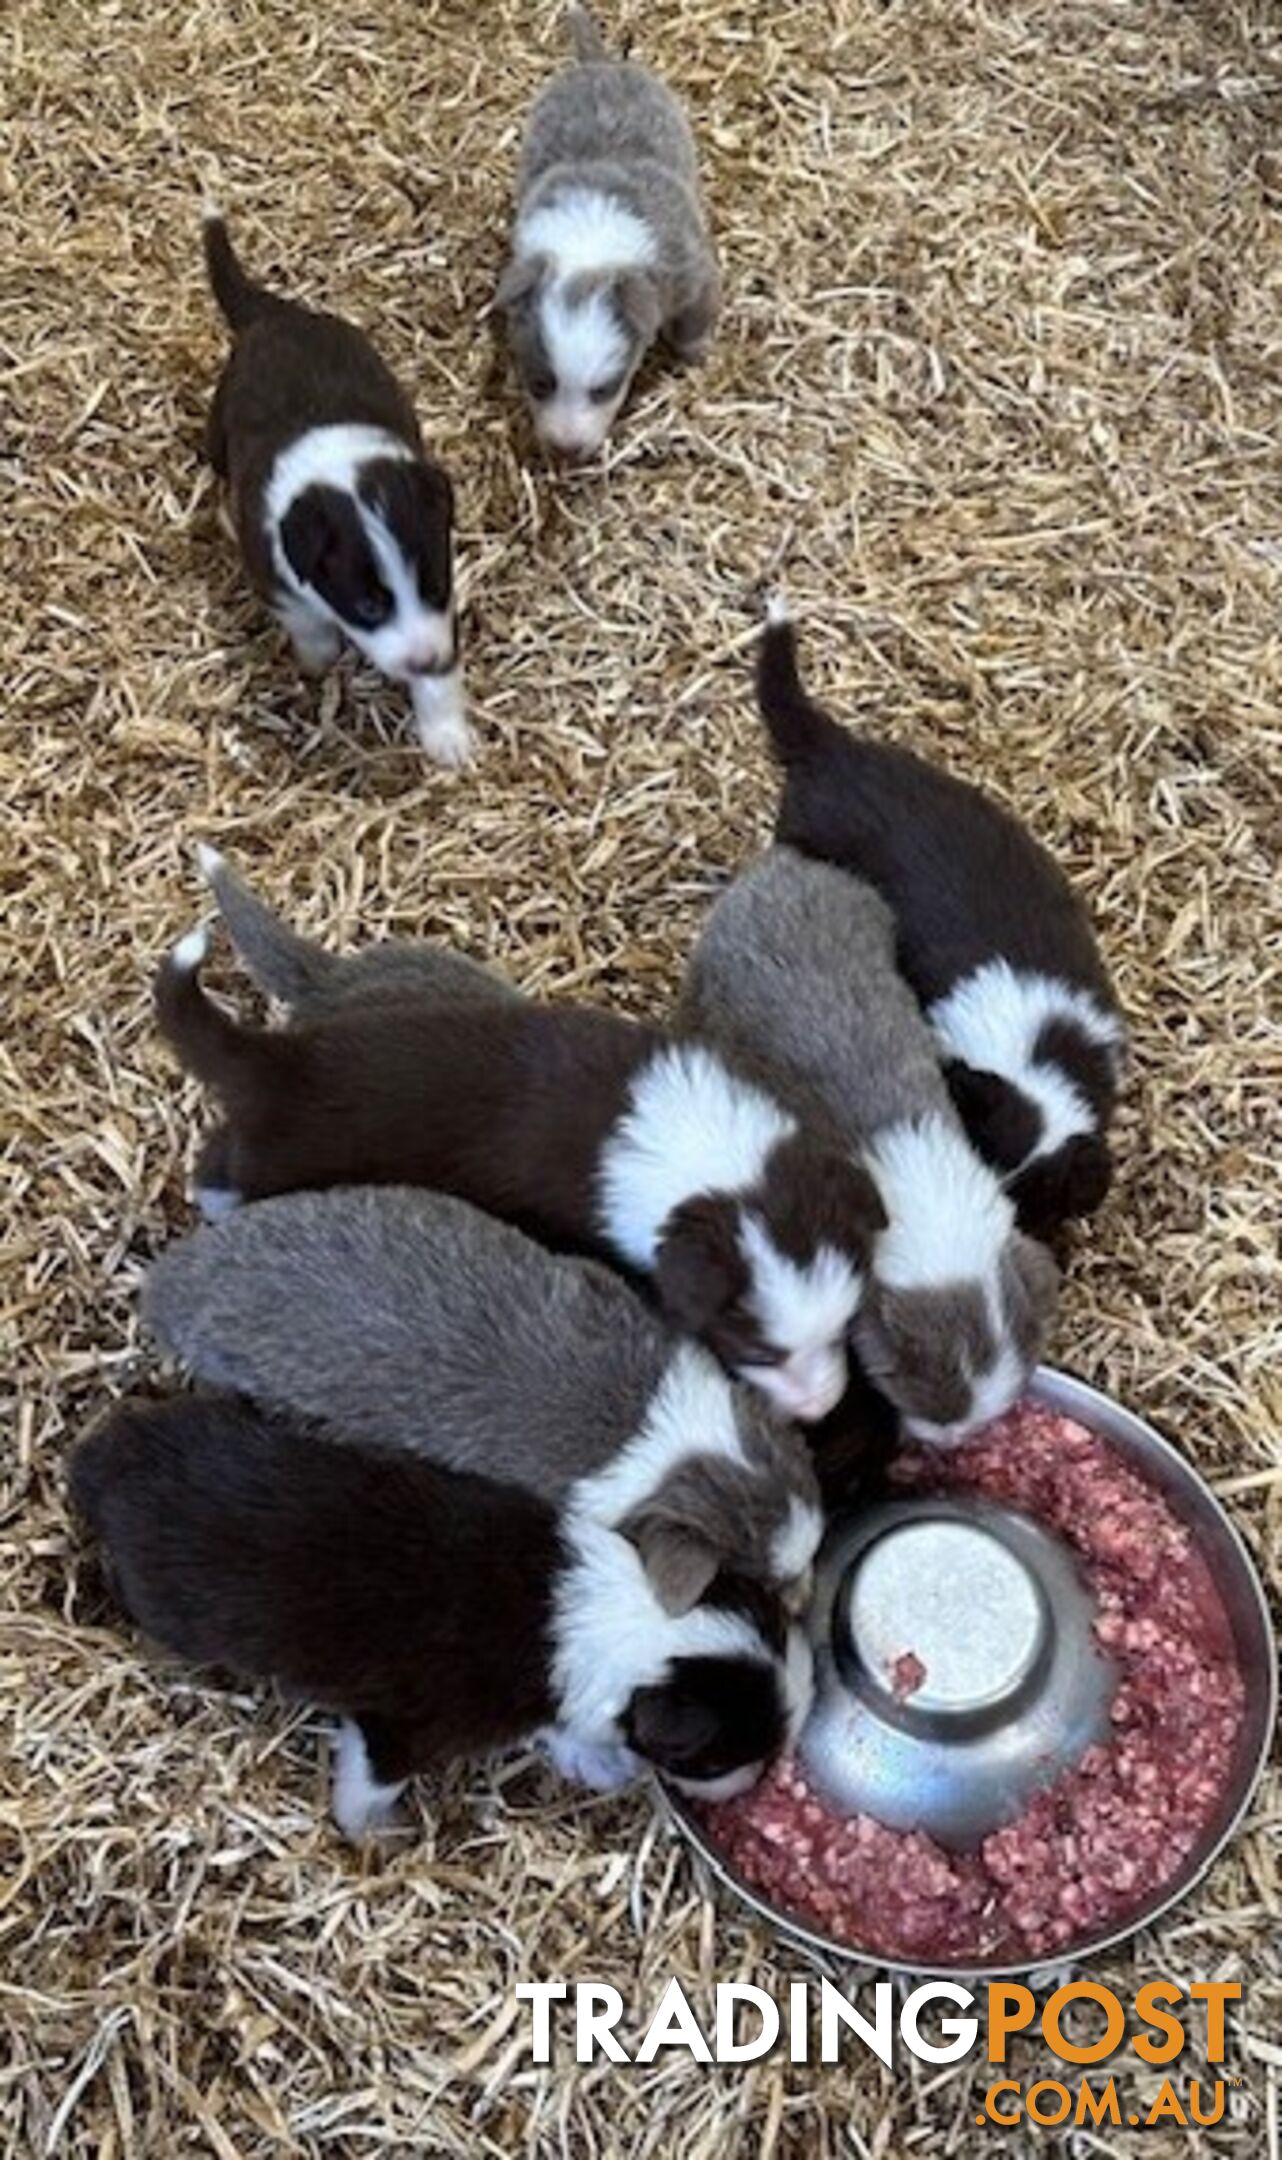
<point>989,934</point>
<point>426,1326</point>
<point>440,1614</point>
<point>345,525</point>
<point>611,248</point>
<point>593,1132</point>
<point>794,975</point>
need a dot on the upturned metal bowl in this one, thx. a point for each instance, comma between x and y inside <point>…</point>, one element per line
<point>956,1670</point>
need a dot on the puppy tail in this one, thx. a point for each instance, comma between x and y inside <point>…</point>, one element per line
<point>237,295</point>
<point>585,37</point>
<point>209,1044</point>
<point>796,725</point>
<point>281,962</point>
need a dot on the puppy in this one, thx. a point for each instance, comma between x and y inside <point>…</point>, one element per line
<point>345,525</point>
<point>795,970</point>
<point>428,1327</point>
<point>990,935</point>
<point>611,248</point>
<point>439,1613</point>
<point>593,1132</point>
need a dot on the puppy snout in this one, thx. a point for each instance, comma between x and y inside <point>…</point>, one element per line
<point>807,1387</point>
<point>937,1436</point>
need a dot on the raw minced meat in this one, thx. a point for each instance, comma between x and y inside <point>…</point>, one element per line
<point>1100,1841</point>
<point>907,1674</point>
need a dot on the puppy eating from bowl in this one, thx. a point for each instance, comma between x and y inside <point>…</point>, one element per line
<point>439,1613</point>
<point>345,524</point>
<point>611,249</point>
<point>593,1132</point>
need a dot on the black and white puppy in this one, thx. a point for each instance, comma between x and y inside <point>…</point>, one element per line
<point>991,937</point>
<point>593,1132</point>
<point>345,525</point>
<point>438,1613</point>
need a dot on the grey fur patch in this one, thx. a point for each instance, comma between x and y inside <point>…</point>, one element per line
<point>794,978</point>
<point>411,1320</point>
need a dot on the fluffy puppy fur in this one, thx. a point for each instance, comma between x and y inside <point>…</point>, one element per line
<point>593,1132</point>
<point>345,525</point>
<point>430,1328</point>
<point>795,970</point>
<point>439,1613</point>
<point>990,935</point>
<point>611,248</point>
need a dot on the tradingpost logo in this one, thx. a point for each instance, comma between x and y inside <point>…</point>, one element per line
<point>1165,2025</point>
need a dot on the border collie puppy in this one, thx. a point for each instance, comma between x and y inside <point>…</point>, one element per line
<point>439,1614</point>
<point>415,1320</point>
<point>796,970</point>
<point>593,1132</point>
<point>345,525</point>
<point>611,248</point>
<point>991,936</point>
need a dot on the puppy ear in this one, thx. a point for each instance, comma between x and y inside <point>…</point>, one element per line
<point>637,301</point>
<point>699,1270</point>
<point>669,1726</point>
<point>678,1561</point>
<point>1088,1173</point>
<point>408,493</point>
<point>312,529</point>
<point>1004,1125</point>
<point>1037,1272</point>
<point>1060,1188</point>
<point>521,277</point>
<point>857,1201</point>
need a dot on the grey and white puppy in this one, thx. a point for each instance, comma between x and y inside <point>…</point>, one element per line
<point>611,248</point>
<point>424,1325</point>
<point>794,977</point>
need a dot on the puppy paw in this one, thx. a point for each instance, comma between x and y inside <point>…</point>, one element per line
<point>603,1766</point>
<point>438,719</point>
<point>361,1806</point>
<point>448,740</point>
<point>216,1202</point>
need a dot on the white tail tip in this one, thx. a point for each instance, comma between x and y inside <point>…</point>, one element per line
<point>190,951</point>
<point>208,861</point>
<point>211,213</point>
<point>777,608</point>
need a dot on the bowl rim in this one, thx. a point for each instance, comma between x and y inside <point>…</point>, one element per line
<point>1070,1395</point>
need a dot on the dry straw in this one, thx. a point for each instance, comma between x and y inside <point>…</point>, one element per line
<point>997,390</point>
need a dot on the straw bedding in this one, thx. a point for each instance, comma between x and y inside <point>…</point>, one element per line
<point>996,392</point>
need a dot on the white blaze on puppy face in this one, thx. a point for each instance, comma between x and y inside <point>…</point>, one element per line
<point>805,1310</point>
<point>591,361</point>
<point>590,356</point>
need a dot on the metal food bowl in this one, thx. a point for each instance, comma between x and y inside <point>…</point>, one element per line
<point>1005,1687</point>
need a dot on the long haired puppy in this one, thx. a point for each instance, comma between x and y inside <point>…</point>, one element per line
<point>611,249</point>
<point>416,1320</point>
<point>796,968</point>
<point>345,525</point>
<point>593,1132</point>
<point>439,1614</point>
<point>989,934</point>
